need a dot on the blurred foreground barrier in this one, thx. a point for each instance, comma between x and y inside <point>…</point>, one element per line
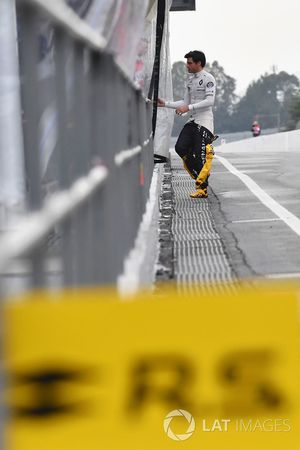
<point>88,155</point>
<point>214,373</point>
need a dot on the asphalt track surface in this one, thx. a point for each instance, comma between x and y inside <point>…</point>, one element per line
<point>255,202</point>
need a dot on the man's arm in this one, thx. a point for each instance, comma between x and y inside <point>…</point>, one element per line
<point>203,104</point>
<point>173,105</point>
<point>181,106</point>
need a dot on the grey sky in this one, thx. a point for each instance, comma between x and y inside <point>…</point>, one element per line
<point>246,37</point>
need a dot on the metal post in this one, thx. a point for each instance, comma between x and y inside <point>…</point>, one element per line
<point>12,190</point>
<point>81,157</point>
<point>61,55</point>
<point>29,58</point>
<point>110,198</point>
<point>280,99</point>
<point>29,61</point>
<point>64,144</point>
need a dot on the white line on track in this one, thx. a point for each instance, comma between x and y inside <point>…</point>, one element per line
<point>284,214</point>
<point>283,275</point>
<point>276,219</point>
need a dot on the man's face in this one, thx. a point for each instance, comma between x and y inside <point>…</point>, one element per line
<point>192,66</point>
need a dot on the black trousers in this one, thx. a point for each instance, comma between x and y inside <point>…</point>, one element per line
<point>191,147</point>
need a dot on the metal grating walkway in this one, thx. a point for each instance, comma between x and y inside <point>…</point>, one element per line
<point>199,252</point>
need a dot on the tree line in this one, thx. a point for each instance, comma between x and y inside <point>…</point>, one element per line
<point>273,100</point>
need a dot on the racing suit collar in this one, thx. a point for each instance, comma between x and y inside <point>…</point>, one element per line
<point>197,74</point>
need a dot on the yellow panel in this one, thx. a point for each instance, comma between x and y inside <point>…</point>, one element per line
<point>213,372</point>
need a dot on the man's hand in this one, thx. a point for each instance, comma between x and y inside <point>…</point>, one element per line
<point>182,109</point>
<point>161,102</point>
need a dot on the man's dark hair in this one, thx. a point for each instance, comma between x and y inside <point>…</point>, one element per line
<point>197,56</point>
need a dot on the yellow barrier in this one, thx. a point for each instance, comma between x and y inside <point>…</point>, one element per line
<point>158,372</point>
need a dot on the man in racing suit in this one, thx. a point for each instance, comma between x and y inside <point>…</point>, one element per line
<point>194,142</point>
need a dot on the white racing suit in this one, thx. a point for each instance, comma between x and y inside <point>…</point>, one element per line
<point>194,142</point>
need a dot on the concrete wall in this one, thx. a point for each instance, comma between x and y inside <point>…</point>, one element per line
<point>289,140</point>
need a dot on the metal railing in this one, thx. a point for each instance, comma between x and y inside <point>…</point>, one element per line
<point>101,163</point>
